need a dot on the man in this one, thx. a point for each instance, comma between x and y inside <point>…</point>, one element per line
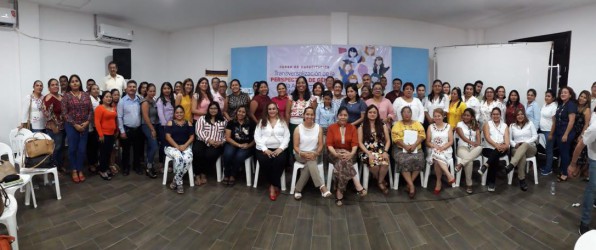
<point>113,80</point>
<point>366,81</point>
<point>329,83</point>
<point>588,139</point>
<point>129,123</point>
<point>396,92</point>
<point>478,90</point>
<point>89,84</point>
<point>63,84</point>
<point>214,85</point>
<point>217,97</point>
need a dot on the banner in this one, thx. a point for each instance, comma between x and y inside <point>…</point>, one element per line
<point>316,62</point>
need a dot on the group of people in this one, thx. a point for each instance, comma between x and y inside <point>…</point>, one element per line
<point>196,125</point>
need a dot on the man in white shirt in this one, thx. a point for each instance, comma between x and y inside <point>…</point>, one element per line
<point>113,80</point>
<point>588,138</point>
<point>214,86</point>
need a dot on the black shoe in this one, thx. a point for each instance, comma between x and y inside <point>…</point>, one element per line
<point>583,228</point>
<point>105,176</point>
<point>151,173</point>
<point>509,168</point>
<point>482,169</point>
<point>523,185</point>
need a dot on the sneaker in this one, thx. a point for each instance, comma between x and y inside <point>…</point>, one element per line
<point>151,173</point>
<point>546,173</point>
<point>523,185</point>
<point>491,187</point>
<point>180,189</point>
<point>509,168</point>
<point>583,228</point>
<point>482,169</point>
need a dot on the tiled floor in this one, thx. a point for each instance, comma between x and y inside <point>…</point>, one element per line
<point>137,212</point>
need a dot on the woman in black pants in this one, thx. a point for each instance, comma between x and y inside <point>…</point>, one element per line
<point>210,132</point>
<point>496,135</point>
<point>272,137</point>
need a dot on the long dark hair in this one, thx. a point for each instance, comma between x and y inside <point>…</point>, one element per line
<point>259,87</point>
<point>162,96</point>
<point>265,114</point>
<point>192,84</point>
<point>357,97</point>
<point>68,88</point>
<point>514,103</point>
<point>314,86</point>
<point>473,123</point>
<point>103,94</point>
<point>208,92</point>
<point>218,117</point>
<point>296,95</point>
<point>458,91</point>
<point>587,105</point>
<point>366,130</point>
<point>431,96</point>
<point>246,120</point>
<point>559,101</point>
<point>146,84</point>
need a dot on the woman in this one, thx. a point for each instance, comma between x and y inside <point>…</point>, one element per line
<point>511,107</point>
<point>365,93</point>
<point>468,149</point>
<point>240,142</point>
<point>408,100</point>
<point>355,106</point>
<point>259,102</point>
<point>342,145</point>
<point>439,139</point>
<point>184,98</point>
<point>496,145</point>
<point>308,146</point>
<point>235,100</point>
<point>374,143</point>
<point>547,112</point>
<point>281,100</point>
<point>562,128</point>
<point>488,105</point>
<point>149,124</point>
<point>272,137</point>
<point>115,97</point>
<point>408,154</point>
<point>142,90</point>
<point>295,106</point>
<point>255,88</point>
<point>180,137</point>
<point>436,99</point>
<point>593,102</point>
<point>532,109</point>
<point>52,111</point>
<point>201,98</point>
<point>165,112</point>
<point>317,94</point>
<point>177,88</point>
<point>33,109</point>
<point>523,142</point>
<point>210,132</point>
<point>337,93</point>
<point>471,100</point>
<point>456,107</point>
<point>113,166</point>
<point>93,138</point>
<point>105,125</point>
<point>384,106</point>
<point>446,87</point>
<point>78,112</point>
<point>582,119</point>
<point>500,94</point>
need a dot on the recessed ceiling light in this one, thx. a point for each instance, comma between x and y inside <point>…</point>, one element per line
<point>74,3</point>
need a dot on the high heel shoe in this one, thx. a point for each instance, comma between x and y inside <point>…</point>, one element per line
<point>326,193</point>
<point>451,181</point>
<point>437,191</point>
<point>81,176</point>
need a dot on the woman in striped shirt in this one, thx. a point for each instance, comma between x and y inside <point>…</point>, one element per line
<point>210,131</point>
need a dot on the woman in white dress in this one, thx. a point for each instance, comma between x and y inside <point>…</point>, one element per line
<point>439,139</point>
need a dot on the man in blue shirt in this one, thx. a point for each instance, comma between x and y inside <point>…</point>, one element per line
<point>129,123</point>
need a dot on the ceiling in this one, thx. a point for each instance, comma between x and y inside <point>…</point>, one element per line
<point>172,15</point>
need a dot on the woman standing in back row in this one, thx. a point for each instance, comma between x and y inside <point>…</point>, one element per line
<point>562,128</point>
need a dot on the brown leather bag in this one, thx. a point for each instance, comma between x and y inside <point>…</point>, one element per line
<point>6,169</point>
<point>35,147</point>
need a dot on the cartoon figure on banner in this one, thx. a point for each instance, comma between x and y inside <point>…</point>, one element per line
<point>379,69</point>
<point>353,79</point>
<point>346,70</point>
<point>370,52</point>
<point>353,56</point>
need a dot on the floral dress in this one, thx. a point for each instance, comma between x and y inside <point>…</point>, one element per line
<point>578,126</point>
<point>376,145</point>
<point>440,137</point>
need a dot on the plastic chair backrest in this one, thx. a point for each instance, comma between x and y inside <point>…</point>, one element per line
<point>6,150</point>
<point>17,140</point>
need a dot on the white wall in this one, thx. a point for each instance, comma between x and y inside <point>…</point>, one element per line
<point>581,23</point>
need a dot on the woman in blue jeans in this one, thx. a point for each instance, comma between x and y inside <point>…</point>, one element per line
<point>546,122</point>
<point>149,125</point>
<point>240,144</point>
<point>562,128</point>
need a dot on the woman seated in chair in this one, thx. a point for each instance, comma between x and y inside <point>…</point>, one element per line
<point>308,145</point>
<point>496,145</point>
<point>409,156</point>
<point>374,142</point>
<point>439,139</point>
<point>272,137</point>
<point>210,131</point>
<point>468,149</point>
<point>342,144</point>
<point>240,138</point>
<point>179,135</point>
<point>523,142</point>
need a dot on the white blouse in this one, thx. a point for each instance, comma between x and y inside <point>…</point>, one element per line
<point>496,133</point>
<point>415,105</point>
<point>470,134</point>
<point>441,102</point>
<point>546,116</point>
<point>589,137</point>
<point>474,104</point>
<point>38,121</point>
<point>309,138</point>
<point>526,134</point>
<point>266,137</point>
<point>486,108</point>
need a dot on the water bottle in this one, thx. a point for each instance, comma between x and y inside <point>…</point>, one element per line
<point>552,188</point>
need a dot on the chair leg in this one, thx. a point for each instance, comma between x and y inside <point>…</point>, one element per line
<point>365,176</point>
<point>329,175</point>
<point>256,180</point>
<point>165,170</point>
<point>426,175</point>
<point>218,169</point>
<point>12,230</point>
<point>396,181</point>
<point>191,176</point>
<point>294,173</point>
<point>56,184</point>
<point>248,171</point>
<point>283,181</point>
<point>390,173</point>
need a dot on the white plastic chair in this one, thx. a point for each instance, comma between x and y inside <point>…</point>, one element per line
<point>191,178</point>
<point>366,173</point>
<point>397,175</point>
<point>17,143</point>
<point>30,192</point>
<point>504,158</point>
<point>460,173</point>
<point>283,178</point>
<point>427,173</point>
<point>9,218</point>
<point>298,165</point>
<point>44,171</point>
<point>248,165</point>
<point>330,173</point>
<point>534,168</point>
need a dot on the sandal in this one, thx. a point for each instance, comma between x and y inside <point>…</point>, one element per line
<point>326,193</point>
<point>412,194</point>
<point>75,177</point>
<point>560,178</point>
<point>469,190</point>
<point>383,188</point>
<point>362,192</point>
<point>339,202</point>
<point>226,181</point>
<point>81,176</point>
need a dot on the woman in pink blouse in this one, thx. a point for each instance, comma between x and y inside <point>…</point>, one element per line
<point>78,112</point>
<point>386,112</point>
<point>210,131</point>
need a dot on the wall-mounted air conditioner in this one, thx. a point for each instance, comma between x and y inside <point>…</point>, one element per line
<point>8,17</point>
<point>112,34</point>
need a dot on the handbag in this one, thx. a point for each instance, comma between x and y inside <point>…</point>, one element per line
<point>4,200</point>
<point>42,161</point>
<point>6,169</point>
<point>35,147</point>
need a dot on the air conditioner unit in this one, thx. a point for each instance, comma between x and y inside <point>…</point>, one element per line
<point>112,34</point>
<point>8,17</point>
